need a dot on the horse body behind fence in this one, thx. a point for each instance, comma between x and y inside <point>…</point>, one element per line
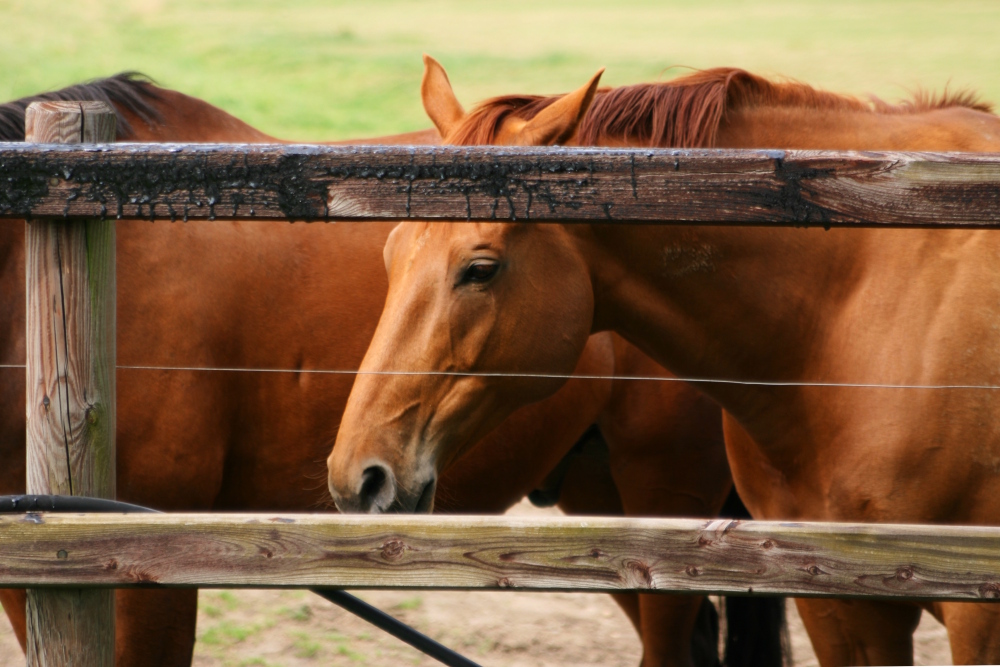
<point>884,308</point>
<point>245,295</point>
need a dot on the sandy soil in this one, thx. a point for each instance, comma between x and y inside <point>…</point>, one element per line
<point>298,629</point>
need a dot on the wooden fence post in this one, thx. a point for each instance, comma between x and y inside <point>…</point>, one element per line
<point>70,272</point>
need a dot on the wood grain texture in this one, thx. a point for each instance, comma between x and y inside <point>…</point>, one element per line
<point>69,123</point>
<point>756,187</point>
<point>580,553</point>
<point>71,357</point>
<point>70,341</point>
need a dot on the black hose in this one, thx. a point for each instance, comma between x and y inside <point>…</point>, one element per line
<point>30,503</point>
<point>399,630</point>
<point>358,607</point>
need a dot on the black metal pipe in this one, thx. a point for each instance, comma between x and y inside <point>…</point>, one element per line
<point>358,607</point>
<point>393,626</point>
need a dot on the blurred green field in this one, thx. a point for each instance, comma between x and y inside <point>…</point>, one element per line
<point>322,69</point>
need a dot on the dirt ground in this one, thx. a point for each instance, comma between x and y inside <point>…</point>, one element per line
<point>298,629</point>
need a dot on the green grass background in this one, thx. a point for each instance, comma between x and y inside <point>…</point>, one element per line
<point>323,69</point>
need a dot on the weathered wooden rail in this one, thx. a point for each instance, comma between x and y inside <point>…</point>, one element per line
<point>784,188</point>
<point>568,553</point>
<point>71,353</point>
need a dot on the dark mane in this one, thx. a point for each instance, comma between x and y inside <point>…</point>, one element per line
<point>686,112</point>
<point>129,91</point>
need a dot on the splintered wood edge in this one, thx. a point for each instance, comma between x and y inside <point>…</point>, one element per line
<point>579,553</point>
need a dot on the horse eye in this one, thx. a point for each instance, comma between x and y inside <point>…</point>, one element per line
<point>480,272</point>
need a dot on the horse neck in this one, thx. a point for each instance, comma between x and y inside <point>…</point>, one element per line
<point>725,303</point>
<point>800,127</point>
<point>189,119</point>
<point>712,286</point>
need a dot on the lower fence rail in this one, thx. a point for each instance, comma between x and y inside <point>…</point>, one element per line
<point>44,549</point>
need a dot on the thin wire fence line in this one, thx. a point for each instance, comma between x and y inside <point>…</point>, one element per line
<point>557,376</point>
<point>570,376</point>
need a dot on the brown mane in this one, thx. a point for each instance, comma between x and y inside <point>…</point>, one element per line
<point>686,112</point>
<point>130,91</point>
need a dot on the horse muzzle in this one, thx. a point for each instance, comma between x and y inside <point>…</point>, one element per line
<point>376,491</point>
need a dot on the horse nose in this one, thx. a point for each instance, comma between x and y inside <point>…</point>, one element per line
<point>373,492</point>
<point>377,491</point>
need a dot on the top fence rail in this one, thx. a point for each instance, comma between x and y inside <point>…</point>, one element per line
<point>743,187</point>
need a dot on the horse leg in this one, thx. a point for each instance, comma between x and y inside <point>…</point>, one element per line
<point>860,632</point>
<point>155,627</point>
<point>667,457</point>
<point>14,601</point>
<point>12,475</point>
<point>973,631</point>
<point>171,459</point>
<point>152,627</point>
<point>666,623</point>
<point>586,487</point>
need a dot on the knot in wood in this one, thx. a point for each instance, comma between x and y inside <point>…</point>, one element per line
<point>504,582</point>
<point>703,541</point>
<point>111,565</point>
<point>637,574</point>
<point>767,544</point>
<point>904,573</point>
<point>393,549</point>
<point>61,554</point>
<point>692,571</point>
<point>989,591</point>
<point>814,570</point>
<point>596,553</point>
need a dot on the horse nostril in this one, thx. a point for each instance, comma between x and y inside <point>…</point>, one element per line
<point>377,489</point>
<point>372,480</point>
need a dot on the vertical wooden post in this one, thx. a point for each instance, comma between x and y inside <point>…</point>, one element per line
<point>70,271</point>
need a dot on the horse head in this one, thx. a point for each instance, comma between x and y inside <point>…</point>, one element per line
<point>480,318</point>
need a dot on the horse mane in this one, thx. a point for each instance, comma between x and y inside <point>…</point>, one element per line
<point>686,112</point>
<point>481,125</point>
<point>129,91</point>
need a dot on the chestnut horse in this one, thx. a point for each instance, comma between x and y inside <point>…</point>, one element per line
<point>898,307</point>
<point>307,297</point>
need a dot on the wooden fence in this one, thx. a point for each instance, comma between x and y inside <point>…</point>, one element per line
<point>71,193</point>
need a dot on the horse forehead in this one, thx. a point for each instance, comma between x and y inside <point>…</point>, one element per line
<point>461,236</point>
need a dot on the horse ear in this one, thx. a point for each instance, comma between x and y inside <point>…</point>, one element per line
<point>439,99</point>
<point>557,123</point>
